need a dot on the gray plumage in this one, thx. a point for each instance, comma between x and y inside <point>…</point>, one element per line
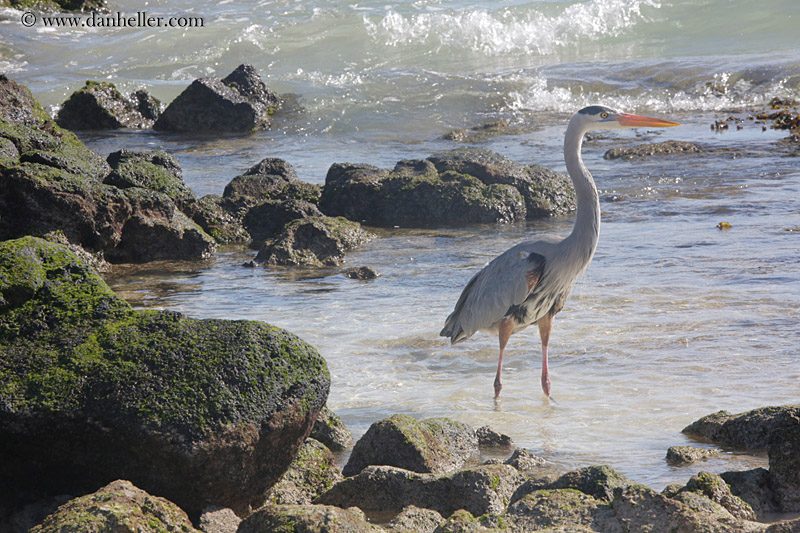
<point>530,282</point>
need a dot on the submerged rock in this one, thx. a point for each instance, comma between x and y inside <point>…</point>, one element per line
<point>314,241</point>
<point>119,507</point>
<point>203,412</point>
<point>98,105</point>
<point>653,149</point>
<point>363,273</point>
<point>238,103</point>
<point>684,455</point>
<point>434,445</point>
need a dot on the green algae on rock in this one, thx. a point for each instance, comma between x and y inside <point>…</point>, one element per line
<point>119,506</point>
<point>200,411</point>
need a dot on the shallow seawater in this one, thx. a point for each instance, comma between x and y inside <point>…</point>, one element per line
<point>674,319</point>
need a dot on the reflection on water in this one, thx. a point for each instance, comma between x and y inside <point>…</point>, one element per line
<point>675,319</point>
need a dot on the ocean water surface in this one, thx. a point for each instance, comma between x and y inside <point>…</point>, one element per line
<point>674,319</point>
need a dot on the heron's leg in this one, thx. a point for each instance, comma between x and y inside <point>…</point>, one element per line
<point>545,323</point>
<point>504,332</point>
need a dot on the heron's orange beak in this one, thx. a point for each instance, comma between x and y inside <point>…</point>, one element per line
<point>637,121</point>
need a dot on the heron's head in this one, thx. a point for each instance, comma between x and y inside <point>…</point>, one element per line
<point>598,117</point>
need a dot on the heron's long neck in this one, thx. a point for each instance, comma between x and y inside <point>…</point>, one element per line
<point>583,238</point>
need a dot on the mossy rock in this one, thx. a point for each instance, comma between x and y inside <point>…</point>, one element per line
<point>312,472</point>
<point>307,519</point>
<point>156,171</point>
<point>201,411</point>
<point>416,194</point>
<point>210,213</point>
<point>314,241</point>
<point>119,506</point>
<point>436,445</point>
<point>330,430</point>
<point>98,105</point>
<point>596,481</point>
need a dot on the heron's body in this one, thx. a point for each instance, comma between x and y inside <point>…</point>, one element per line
<point>530,282</point>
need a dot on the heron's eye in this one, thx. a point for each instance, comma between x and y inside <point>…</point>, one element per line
<point>603,115</point>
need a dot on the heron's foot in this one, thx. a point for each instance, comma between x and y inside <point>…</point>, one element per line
<point>497,387</point>
<point>546,384</point>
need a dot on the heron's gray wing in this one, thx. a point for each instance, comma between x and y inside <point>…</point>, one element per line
<point>496,289</point>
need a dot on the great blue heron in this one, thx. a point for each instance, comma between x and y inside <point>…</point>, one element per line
<point>529,283</point>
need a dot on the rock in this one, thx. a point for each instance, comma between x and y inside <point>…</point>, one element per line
<point>203,412</point>
<point>413,519</point>
<point>569,509</point>
<point>489,438</point>
<point>434,445</point>
<point>480,490</point>
<point>362,273</point>
<point>306,518</point>
<point>56,184</point>
<point>98,105</point>
<point>784,466</point>
<point>752,429</point>
<point>784,526</point>
<point>261,181</point>
<point>219,520</point>
<point>146,104</point>
<point>648,150</point>
<point>482,132</point>
<point>597,481</point>
<point>20,108</point>
<point>416,194</point>
<point>523,460</point>
<point>684,455</point>
<point>155,171</point>
<point>224,227</point>
<point>9,155</point>
<point>240,102</point>
<point>312,472</point>
<point>120,507</point>
<point>755,488</point>
<point>157,230</point>
<point>331,431</point>
<point>314,241</point>
<point>638,508</point>
<point>267,219</point>
<point>717,490</point>
<point>462,521</point>
<point>545,191</point>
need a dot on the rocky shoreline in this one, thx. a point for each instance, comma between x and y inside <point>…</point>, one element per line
<point>154,421</point>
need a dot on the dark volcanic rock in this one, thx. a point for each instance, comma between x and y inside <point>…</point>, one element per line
<point>489,438</point>
<point>480,490</point>
<point>597,481</point>
<point>648,150</point>
<point>203,412</point>
<point>56,185</point>
<point>238,103</point>
<point>312,472</point>
<point>363,273</point>
<point>331,431</point>
<point>98,105</point>
<point>784,466</point>
<point>119,506</point>
<point>569,509</point>
<point>413,519</point>
<point>267,219</point>
<point>434,445</point>
<point>156,171</point>
<point>307,518</point>
<point>210,213</point>
<point>752,429</point>
<point>415,194</point>
<point>755,488</point>
<point>718,491</point>
<point>545,191</point>
<point>314,241</point>
<point>261,181</point>
<point>684,455</point>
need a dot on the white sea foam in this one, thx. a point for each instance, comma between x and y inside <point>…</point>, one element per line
<point>509,31</point>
